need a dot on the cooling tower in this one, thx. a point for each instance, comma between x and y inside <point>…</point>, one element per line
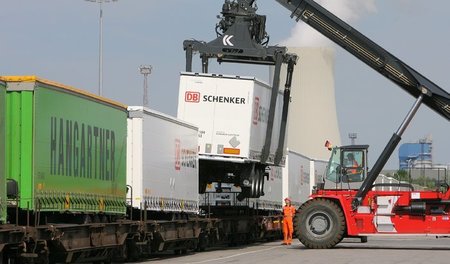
<point>312,113</point>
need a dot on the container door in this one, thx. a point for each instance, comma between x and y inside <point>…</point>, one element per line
<point>2,153</point>
<point>19,141</point>
<point>194,110</point>
<point>260,120</point>
<point>232,117</point>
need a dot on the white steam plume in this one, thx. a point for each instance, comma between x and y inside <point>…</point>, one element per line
<point>302,35</point>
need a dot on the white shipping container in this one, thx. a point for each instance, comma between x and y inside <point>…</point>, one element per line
<point>318,171</point>
<point>296,178</point>
<point>162,161</point>
<point>300,175</point>
<point>231,113</point>
<point>273,191</point>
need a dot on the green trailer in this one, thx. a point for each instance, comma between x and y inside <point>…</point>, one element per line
<point>65,148</point>
<point>3,204</point>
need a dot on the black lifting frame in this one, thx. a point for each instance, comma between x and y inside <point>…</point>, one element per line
<point>241,38</point>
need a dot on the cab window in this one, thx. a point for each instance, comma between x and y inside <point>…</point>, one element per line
<point>353,165</point>
<point>334,165</point>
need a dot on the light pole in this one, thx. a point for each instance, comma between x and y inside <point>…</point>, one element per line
<point>100,44</point>
<point>145,70</point>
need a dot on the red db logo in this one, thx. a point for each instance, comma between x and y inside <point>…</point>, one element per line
<point>192,97</point>
<point>256,111</point>
<point>177,154</point>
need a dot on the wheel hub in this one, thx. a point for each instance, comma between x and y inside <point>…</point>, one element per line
<point>319,223</point>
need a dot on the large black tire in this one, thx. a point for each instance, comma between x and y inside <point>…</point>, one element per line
<point>319,223</point>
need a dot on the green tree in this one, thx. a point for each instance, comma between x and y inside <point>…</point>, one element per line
<point>401,175</point>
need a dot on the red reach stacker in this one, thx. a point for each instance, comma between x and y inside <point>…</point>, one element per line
<point>348,203</point>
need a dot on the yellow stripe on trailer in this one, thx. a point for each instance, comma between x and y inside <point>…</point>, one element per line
<point>231,151</point>
<point>33,78</point>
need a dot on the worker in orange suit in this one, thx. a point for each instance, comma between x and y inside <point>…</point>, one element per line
<point>352,164</point>
<point>288,225</point>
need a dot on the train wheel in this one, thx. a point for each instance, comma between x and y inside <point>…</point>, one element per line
<point>319,223</point>
<point>202,242</point>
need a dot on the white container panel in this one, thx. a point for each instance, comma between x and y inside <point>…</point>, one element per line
<point>164,174</point>
<point>221,108</point>
<point>260,117</point>
<point>296,178</point>
<point>318,172</point>
<point>231,120</point>
<point>134,161</point>
<point>231,113</point>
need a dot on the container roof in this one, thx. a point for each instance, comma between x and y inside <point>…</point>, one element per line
<point>33,78</point>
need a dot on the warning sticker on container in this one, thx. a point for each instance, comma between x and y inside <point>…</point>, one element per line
<point>234,142</point>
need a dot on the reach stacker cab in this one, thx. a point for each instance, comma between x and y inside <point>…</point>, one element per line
<point>347,164</point>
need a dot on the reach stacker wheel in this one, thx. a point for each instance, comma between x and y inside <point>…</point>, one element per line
<point>319,223</point>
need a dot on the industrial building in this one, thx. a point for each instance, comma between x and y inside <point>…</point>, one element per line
<point>416,155</point>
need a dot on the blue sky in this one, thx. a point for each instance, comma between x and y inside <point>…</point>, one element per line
<point>58,40</point>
